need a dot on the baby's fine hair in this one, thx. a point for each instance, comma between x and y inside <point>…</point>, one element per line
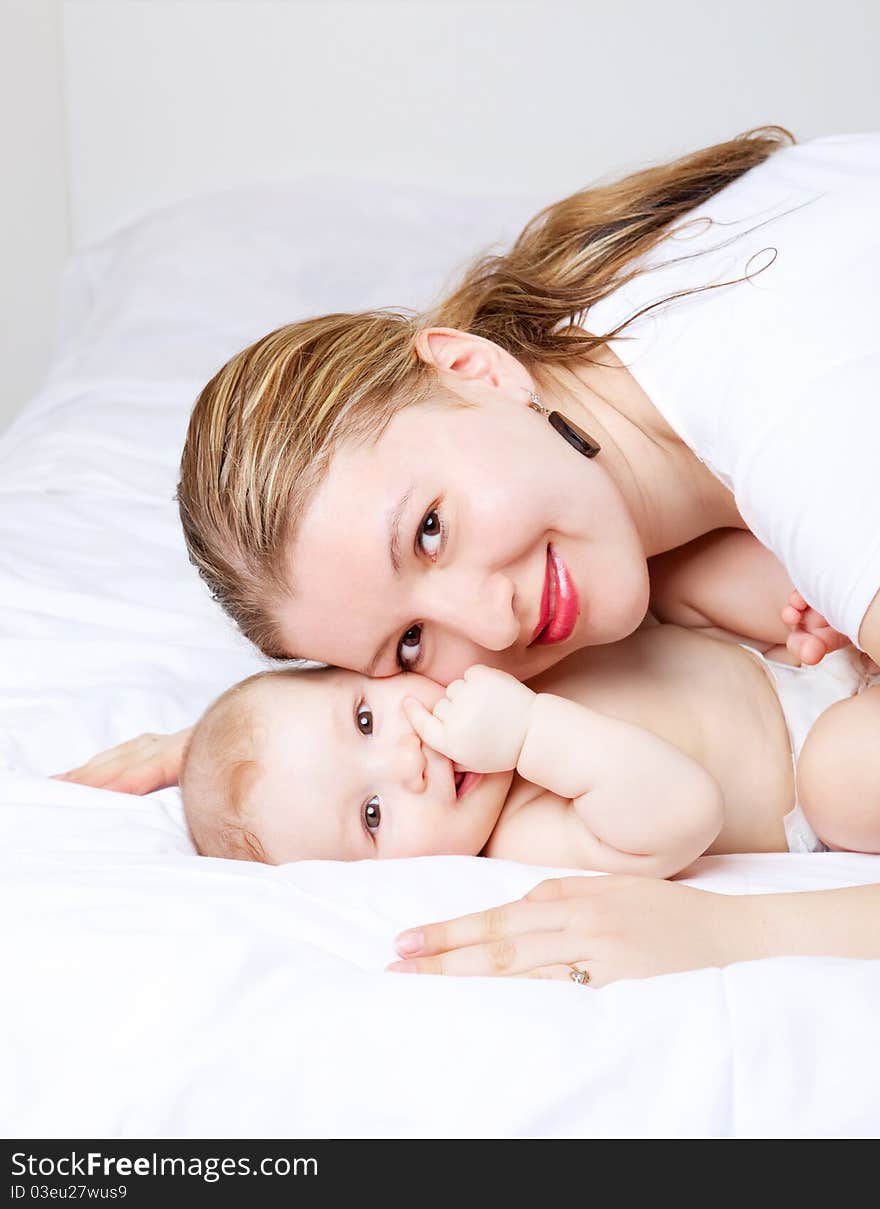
<point>222,769</point>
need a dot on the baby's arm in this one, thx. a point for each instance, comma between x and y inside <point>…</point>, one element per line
<point>647,807</point>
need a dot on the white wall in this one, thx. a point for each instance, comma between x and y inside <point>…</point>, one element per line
<point>173,98</point>
<point>165,98</point>
<point>33,199</point>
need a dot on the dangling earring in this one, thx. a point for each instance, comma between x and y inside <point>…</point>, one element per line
<point>575,436</point>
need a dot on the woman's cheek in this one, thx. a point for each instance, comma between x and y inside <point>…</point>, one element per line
<point>454,660</point>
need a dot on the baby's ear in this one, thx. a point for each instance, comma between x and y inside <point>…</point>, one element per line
<point>243,845</point>
<point>255,848</point>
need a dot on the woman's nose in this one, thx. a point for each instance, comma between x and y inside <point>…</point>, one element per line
<point>482,611</point>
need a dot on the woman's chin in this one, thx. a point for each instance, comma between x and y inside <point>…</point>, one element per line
<point>619,614</point>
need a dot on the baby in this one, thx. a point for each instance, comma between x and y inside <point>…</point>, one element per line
<point>636,757</point>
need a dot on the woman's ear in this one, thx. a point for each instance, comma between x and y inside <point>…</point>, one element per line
<point>459,353</point>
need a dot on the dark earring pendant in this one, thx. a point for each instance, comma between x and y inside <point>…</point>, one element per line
<point>575,436</point>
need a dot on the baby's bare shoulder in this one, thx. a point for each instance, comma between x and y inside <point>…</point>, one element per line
<point>650,658</point>
<point>536,828</point>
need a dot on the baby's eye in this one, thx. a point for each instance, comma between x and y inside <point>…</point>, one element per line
<point>372,814</point>
<point>409,649</point>
<point>431,533</point>
<point>364,719</point>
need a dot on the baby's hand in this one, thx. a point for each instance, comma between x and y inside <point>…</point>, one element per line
<point>811,637</point>
<point>480,724</point>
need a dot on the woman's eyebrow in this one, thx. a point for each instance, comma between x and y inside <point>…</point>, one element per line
<point>394,518</point>
<point>394,529</point>
<point>370,669</point>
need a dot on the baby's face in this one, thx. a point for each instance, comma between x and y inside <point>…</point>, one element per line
<point>347,778</point>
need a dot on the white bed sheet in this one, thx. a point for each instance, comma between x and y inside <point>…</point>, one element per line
<point>150,992</point>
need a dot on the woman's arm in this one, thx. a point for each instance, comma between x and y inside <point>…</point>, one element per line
<point>630,927</point>
<point>138,766</point>
<point>869,632</point>
<point>729,585</point>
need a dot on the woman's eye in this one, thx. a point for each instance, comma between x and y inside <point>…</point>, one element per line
<point>409,649</point>
<point>372,814</point>
<point>364,719</point>
<point>430,537</point>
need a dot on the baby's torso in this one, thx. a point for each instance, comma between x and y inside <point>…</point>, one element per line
<point>711,699</point>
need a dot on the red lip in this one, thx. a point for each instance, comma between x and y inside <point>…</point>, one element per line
<point>559,604</point>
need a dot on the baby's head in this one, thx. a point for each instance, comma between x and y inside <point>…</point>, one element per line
<point>323,764</point>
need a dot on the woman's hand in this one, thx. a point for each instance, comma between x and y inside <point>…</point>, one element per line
<point>138,766</point>
<point>611,926</point>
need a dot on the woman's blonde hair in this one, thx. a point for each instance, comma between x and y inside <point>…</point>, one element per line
<point>265,427</point>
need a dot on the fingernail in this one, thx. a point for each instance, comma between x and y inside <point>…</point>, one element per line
<point>408,943</point>
<point>402,967</point>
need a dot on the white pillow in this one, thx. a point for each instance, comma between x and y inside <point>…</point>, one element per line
<point>174,294</point>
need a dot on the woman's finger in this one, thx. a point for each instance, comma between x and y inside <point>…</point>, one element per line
<point>114,758</point>
<point>508,954</point>
<point>568,887</point>
<point>496,924</point>
<point>90,774</point>
<point>560,973</point>
<point>91,766</point>
<point>138,779</point>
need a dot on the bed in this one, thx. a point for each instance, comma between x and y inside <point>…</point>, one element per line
<point>152,992</point>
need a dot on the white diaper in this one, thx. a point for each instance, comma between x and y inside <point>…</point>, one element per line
<point>805,693</point>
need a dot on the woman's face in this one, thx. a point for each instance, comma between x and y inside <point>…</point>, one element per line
<point>463,535</point>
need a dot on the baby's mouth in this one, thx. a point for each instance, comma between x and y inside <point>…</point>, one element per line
<point>464,782</point>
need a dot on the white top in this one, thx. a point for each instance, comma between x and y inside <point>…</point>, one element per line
<point>774,383</point>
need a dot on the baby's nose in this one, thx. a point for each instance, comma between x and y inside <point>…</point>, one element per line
<point>412,763</point>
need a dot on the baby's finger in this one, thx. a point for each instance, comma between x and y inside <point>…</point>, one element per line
<point>423,722</point>
<point>454,689</point>
<point>797,601</point>
<point>791,616</point>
